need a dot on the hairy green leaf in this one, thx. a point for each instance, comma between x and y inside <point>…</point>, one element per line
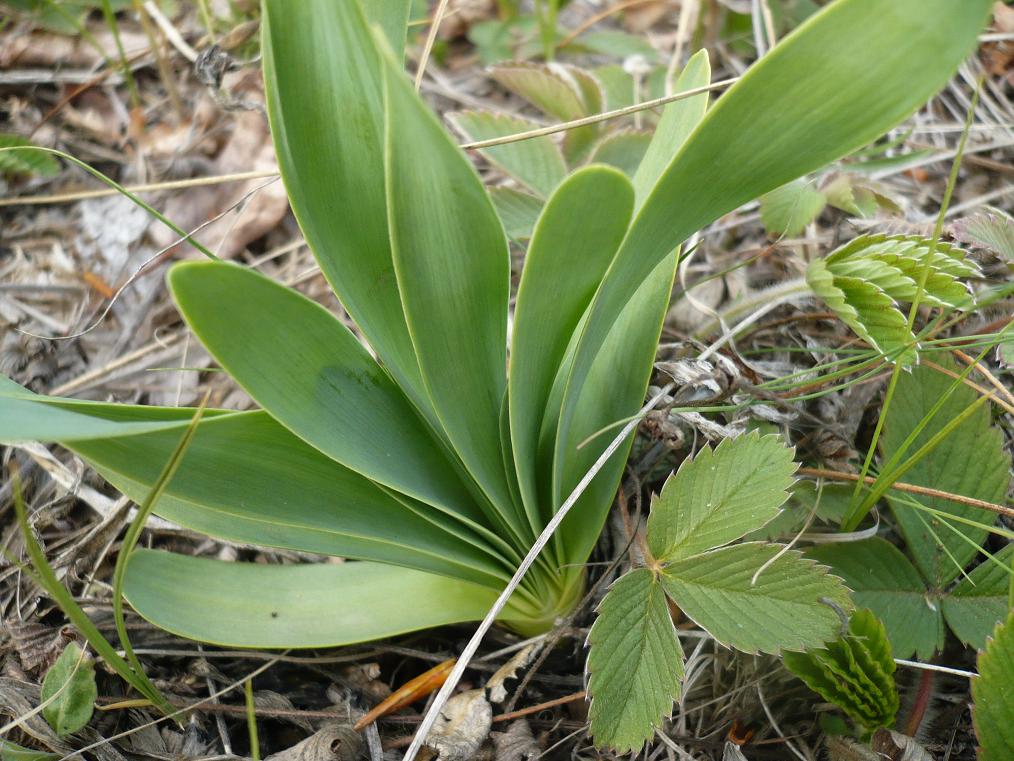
<point>635,664</point>
<point>720,496</point>
<point>562,91</point>
<point>885,581</point>
<point>315,605</point>
<point>993,698</point>
<point>789,209</point>
<point>25,162</point>
<point>980,601</point>
<point>854,672</point>
<point>970,461</point>
<point>11,752</point>
<point>536,162</point>
<point>70,684</point>
<point>791,604</point>
<point>992,230</point>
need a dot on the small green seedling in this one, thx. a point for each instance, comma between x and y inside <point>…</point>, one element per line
<point>69,691</point>
<point>855,672</point>
<point>434,458</point>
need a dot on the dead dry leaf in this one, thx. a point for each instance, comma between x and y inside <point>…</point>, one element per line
<point>495,685</point>
<point>461,727</point>
<point>517,743</point>
<point>334,742</point>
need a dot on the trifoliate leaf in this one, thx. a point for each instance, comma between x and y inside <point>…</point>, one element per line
<point>855,672</point>
<point>979,602</point>
<point>26,161</point>
<point>993,696</point>
<point>635,665</point>
<point>518,211</point>
<point>992,230</point>
<point>789,209</point>
<point>970,461</point>
<point>623,149</point>
<point>536,163</point>
<point>884,580</point>
<point>72,680</point>
<point>793,604</point>
<point>720,496</point>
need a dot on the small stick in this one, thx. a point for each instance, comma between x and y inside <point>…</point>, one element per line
<point>596,118</point>
<point>925,491</point>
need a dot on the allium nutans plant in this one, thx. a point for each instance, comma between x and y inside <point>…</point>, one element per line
<point>432,459</point>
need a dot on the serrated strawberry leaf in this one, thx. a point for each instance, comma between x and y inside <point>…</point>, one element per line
<point>754,599</point>
<point>993,709</point>
<point>720,496</point>
<point>635,664</point>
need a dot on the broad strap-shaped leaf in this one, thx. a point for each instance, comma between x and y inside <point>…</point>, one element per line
<point>855,672</point>
<point>518,211</point>
<point>311,374</point>
<point>789,209</point>
<point>574,240</point>
<point>885,581</point>
<point>25,417</point>
<point>69,688</point>
<point>312,605</point>
<point>793,603</point>
<point>679,119</point>
<point>453,271</point>
<point>992,696</point>
<point>324,90</point>
<point>970,461</point>
<point>614,385</point>
<point>635,664</point>
<point>980,601</point>
<point>811,84</point>
<point>239,482</point>
<point>247,479</point>
<point>720,496</point>
<point>615,390</point>
<point>536,163</point>
<point>392,17</point>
